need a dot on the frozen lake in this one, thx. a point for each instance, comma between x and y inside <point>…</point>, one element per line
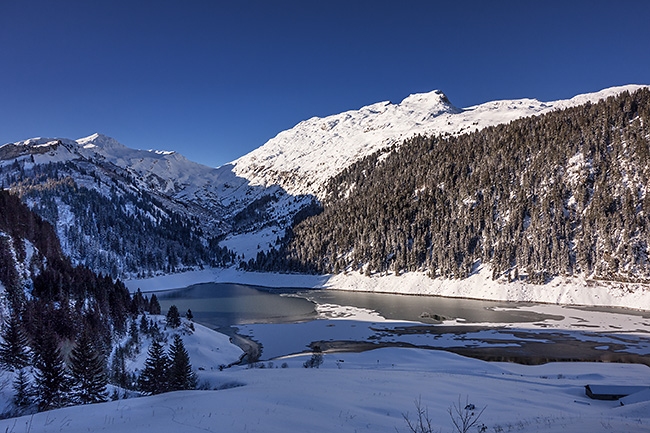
<point>289,321</point>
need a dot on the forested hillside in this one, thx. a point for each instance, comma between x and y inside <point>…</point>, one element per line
<point>47,305</point>
<point>109,226</point>
<point>560,194</point>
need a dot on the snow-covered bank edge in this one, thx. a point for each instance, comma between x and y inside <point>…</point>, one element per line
<point>561,290</point>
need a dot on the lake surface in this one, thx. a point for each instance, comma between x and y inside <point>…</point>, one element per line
<point>288,321</point>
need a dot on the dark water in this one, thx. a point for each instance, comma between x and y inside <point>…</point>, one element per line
<point>223,305</point>
<point>220,305</point>
<point>283,321</point>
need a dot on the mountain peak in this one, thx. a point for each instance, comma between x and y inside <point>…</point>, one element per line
<point>434,102</point>
<point>100,141</point>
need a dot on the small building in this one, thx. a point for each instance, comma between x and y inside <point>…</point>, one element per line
<point>612,392</point>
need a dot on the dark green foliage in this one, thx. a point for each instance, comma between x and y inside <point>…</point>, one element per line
<point>134,334</point>
<point>138,303</point>
<point>558,194</point>
<point>52,385</point>
<point>181,376</point>
<point>144,324</point>
<point>154,306</point>
<point>14,350</point>
<point>131,232</point>
<point>89,379</point>
<point>119,374</point>
<point>64,299</point>
<point>154,378</point>
<point>22,390</point>
<point>173,317</point>
<point>189,314</point>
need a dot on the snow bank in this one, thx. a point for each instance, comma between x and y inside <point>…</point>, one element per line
<point>561,290</point>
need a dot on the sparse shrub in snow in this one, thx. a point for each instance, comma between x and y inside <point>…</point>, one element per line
<point>316,359</point>
<point>422,422</point>
<point>465,416</point>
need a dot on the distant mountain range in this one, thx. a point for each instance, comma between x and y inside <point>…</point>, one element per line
<point>131,212</point>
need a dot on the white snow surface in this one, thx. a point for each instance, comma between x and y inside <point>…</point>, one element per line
<point>208,349</point>
<point>370,391</point>
<point>560,290</point>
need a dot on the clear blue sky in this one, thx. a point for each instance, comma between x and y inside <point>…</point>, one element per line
<point>216,79</point>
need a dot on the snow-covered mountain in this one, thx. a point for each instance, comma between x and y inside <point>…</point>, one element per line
<point>249,202</point>
<point>304,157</point>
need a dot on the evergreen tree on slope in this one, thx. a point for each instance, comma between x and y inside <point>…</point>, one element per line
<point>14,353</point>
<point>181,376</point>
<point>87,371</point>
<point>154,376</point>
<point>52,384</point>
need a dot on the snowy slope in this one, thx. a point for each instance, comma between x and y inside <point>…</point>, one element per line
<point>301,159</point>
<point>371,392</point>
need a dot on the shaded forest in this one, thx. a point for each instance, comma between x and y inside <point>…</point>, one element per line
<point>119,232</point>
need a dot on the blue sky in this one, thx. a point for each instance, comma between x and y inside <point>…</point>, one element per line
<point>213,80</point>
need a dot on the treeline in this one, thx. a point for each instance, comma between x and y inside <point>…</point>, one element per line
<point>117,232</point>
<point>559,194</point>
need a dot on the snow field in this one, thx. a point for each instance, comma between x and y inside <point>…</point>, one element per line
<point>369,392</point>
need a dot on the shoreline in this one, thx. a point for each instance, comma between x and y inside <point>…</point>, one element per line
<point>568,291</point>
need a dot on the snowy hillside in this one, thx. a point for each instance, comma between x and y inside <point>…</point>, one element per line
<point>370,391</point>
<point>303,158</point>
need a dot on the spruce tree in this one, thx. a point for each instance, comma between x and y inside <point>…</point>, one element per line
<point>181,375</point>
<point>154,306</point>
<point>144,324</point>
<point>22,390</point>
<point>50,375</point>
<point>154,376</point>
<point>87,371</point>
<point>119,373</point>
<point>14,353</point>
<point>173,317</point>
<point>134,334</point>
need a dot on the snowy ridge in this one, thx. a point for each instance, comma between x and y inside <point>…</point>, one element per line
<point>303,158</point>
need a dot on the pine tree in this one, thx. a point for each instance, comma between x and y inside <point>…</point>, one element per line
<point>154,376</point>
<point>134,334</point>
<point>22,389</point>
<point>154,306</point>
<point>189,315</point>
<point>144,324</point>
<point>14,353</point>
<point>181,375</point>
<point>119,373</point>
<point>51,381</point>
<point>173,317</point>
<point>87,371</point>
